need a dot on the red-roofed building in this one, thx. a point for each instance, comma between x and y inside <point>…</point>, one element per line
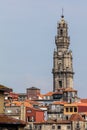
<point>34,115</point>
<point>8,123</point>
<point>78,122</point>
<point>82,107</point>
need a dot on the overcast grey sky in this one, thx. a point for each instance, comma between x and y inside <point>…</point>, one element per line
<point>27,41</point>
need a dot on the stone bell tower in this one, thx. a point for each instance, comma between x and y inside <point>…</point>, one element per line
<point>62,59</point>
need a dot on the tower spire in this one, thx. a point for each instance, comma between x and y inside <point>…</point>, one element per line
<point>62,16</point>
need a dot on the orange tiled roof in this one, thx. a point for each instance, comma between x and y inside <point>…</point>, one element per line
<point>48,94</point>
<point>54,122</point>
<point>70,104</point>
<point>40,95</point>
<point>70,90</point>
<point>43,107</point>
<point>59,92</point>
<point>33,88</point>
<point>19,103</point>
<point>27,104</point>
<point>4,88</point>
<point>76,117</point>
<point>76,104</point>
<point>32,101</point>
<point>58,103</point>
<point>83,100</point>
<point>4,119</point>
<point>82,104</point>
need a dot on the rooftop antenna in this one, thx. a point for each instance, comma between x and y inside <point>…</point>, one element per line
<point>62,16</point>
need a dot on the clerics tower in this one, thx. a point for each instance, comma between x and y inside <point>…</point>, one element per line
<point>62,59</point>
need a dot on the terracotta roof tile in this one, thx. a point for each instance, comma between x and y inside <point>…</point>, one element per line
<point>40,95</point>
<point>70,104</point>
<point>81,104</point>
<point>4,119</point>
<point>83,100</point>
<point>32,102</point>
<point>58,103</point>
<point>54,122</point>
<point>76,104</point>
<point>4,88</point>
<point>59,92</point>
<point>36,109</point>
<point>19,103</point>
<point>70,90</point>
<point>76,117</point>
<point>48,94</point>
<point>33,88</point>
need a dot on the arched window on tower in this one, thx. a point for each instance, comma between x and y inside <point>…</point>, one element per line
<point>60,83</point>
<point>60,66</point>
<point>61,32</point>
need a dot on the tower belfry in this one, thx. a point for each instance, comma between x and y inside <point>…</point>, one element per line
<point>62,59</point>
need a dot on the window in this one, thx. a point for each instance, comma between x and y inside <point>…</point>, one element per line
<point>40,127</point>
<point>67,109</point>
<point>61,32</point>
<point>71,110</point>
<point>53,127</point>
<point>29,111</point>
<point>78,125</point>
<point>86,126</point>
<point>30,118</point>
<point>17,110</point>
<point>59,65</point>
<point>75,109</point>
<point>53,107</point>
<point>68,127</point>
<point>66,117</point>
<point>58,127</point>
<point>60,84</point>
<point>9,111</point>
<point>57,96</point>
<point>30,127</point>
<point>48,97</point>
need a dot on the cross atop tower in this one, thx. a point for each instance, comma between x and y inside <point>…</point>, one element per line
<point>62,16</point>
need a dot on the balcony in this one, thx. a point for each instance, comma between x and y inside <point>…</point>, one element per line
<point>55,111</point>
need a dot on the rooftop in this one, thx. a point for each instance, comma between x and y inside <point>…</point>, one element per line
<point>76,117</point>
<point>48,94</point>
<point>58,103</point>
<point>70,90</point>
<point>19,103</point>
<point>4,119</point>
<point>33,88</point>
<point>4,88</point>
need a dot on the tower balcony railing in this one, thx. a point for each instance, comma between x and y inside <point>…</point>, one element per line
<point>63,39</point>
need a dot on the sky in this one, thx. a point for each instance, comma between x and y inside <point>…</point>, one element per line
<point>27,41</point>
